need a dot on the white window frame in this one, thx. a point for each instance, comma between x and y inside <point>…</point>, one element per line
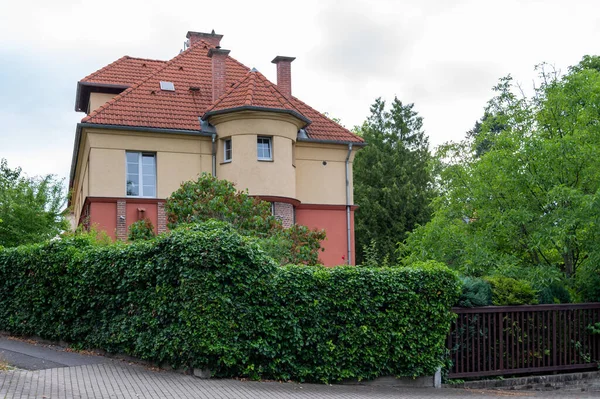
<point>140,154</point>
<point>225,159</point>
<point>270,141</point>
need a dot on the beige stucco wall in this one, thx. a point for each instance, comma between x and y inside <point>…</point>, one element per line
<point>101,164</point>
<point>98,99</point>
<point>269,178</point>
<point>275,178</point>
<point>322,184</point>
<point>178,158</point>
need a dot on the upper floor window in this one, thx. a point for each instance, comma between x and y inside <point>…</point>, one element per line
<point>264,148</point>
<point>227,150</point>
<point>141,174</point>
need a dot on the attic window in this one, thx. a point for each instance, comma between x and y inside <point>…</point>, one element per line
<point>167,86</point>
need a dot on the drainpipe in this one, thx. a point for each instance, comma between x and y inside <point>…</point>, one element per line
<point>348,227</point>
<point>214,155</point>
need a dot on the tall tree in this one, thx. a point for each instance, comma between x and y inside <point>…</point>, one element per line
<point>31,209</point>
<point>530,201</point>
<point>392,184</point>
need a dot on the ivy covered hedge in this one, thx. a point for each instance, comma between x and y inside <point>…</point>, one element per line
<point>203,296</point>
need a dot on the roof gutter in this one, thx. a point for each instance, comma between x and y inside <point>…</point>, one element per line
<point>354,143</point>
<point>262,109</point>
<point>80,127</point>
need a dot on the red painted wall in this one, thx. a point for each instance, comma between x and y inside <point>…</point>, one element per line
<point>103,215</point>
<point>333,220</point>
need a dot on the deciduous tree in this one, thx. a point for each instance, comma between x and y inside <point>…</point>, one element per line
<point>31,209</point>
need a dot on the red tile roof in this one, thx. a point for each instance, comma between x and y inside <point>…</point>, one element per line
<point>144,104</point>
<point>254,91</point>
<point>125,71</point>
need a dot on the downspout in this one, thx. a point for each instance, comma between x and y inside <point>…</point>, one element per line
<point>214,155</point>
<point>348,227</point>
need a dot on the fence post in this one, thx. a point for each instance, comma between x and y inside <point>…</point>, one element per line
<point>554,349</point>
<point>501,324</point>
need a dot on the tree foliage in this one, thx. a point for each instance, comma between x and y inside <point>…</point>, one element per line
<point>392,184</point>
<point>530,201</point>
<point>31,209</point>
<point>210,198</point>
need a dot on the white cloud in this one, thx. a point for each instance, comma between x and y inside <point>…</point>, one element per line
<point>443,56</point>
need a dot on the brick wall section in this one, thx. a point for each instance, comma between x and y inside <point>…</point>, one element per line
<point>162,218</point>
<point>211,38</point>
<point>218,71</point>
<point>284,212</point>
<point>284,74</point>
<point>121,220</point>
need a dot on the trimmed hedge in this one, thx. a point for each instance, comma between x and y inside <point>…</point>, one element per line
<point>203,296</point>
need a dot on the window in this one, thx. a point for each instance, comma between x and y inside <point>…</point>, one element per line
<point>264,149</point>
<point>141,174</point>
<point>227,150</point>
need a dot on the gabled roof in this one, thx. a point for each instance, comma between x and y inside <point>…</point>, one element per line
<point>254,92</point>
<point>144,104</point>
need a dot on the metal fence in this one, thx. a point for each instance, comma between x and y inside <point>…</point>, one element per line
<point>500,340</point>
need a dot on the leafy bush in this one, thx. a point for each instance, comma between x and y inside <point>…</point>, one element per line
<point>554,293</point>
<point>204,296</point>
<point>209,198</point>
<point>507,291</point>
<point>475,292</point>
<point>588,283</point>
<point>141,230</point>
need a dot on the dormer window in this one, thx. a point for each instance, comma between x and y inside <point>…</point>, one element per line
<point>264,148</point>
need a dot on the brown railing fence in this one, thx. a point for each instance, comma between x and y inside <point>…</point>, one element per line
<point>500,340</point>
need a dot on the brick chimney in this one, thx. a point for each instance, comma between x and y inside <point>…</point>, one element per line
<point>218,56</point>
<point>211,38</point>
<point>284,74</point>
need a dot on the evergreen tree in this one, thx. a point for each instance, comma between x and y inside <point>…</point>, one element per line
<point>392,184</point>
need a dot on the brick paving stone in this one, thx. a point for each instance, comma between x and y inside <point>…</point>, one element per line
<point>118,379</point>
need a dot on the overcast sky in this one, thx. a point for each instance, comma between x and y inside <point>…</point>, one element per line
<point>443,56</point>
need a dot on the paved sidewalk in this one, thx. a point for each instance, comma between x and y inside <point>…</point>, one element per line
<point>59,374</point>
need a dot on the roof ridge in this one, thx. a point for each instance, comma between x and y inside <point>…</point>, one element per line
<point>143,59</point>
<point>251,87</point>
<point>122,95</point>
<point>278,94</point>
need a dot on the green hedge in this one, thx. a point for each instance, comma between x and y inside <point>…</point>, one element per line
<point>203,296</point>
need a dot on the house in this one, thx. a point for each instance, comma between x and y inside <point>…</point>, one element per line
<point>152,125</point>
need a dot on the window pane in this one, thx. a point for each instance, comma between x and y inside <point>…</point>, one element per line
<point>133,157</point>
<point>148,159</point>
<point>133,185</point>
<point>149,191</point>
<point>264,148</point>
<point>148,175</point>
<point>148,170</point>
<point>143,185</point>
